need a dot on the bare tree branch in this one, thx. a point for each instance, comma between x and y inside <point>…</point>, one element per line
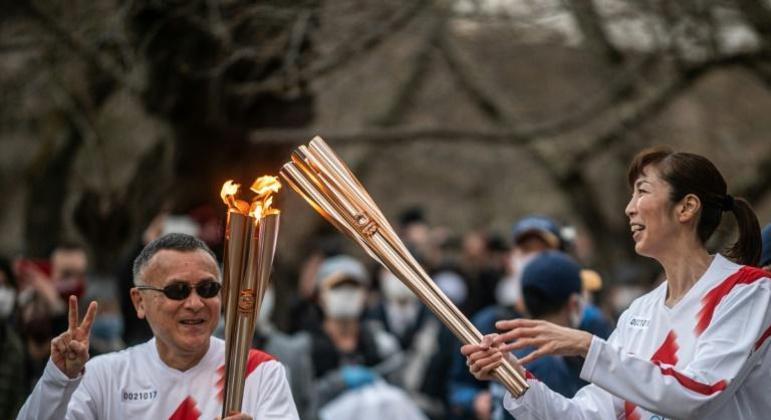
<point>591,26</point>
<point>758,15</point>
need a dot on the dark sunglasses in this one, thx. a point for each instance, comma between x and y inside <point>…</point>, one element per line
<point>180,291</point>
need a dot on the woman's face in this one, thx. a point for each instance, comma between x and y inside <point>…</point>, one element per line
<point>651,215</point>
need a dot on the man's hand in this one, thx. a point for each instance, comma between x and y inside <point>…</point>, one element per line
<point>69,351</point>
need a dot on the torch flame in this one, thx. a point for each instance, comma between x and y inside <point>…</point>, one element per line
<point>264,187</point>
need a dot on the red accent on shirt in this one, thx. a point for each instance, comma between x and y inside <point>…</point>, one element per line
<point>187,410</point>
<point>701,388</point>
<point>667,353</point>
<point>529,375</point>
<point>629,411</point>
<point>255,358</point>
<point>745,275</point>
<point>763,337</point>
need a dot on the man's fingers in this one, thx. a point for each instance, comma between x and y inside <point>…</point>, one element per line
<point>78,349</point>
<point>73,313</point>
<point>88,320</point>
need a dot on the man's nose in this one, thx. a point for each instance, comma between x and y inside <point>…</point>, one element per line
<point>194,301</point>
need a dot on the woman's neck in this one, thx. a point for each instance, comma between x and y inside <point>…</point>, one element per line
<point>683,266</point>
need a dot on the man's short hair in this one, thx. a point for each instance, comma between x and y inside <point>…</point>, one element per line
<point>173,241</point>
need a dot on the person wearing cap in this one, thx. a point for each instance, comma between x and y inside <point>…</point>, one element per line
<point>698,346</point>
<point>765,253</point>
<point>347,354</point>
<point>551,289</point>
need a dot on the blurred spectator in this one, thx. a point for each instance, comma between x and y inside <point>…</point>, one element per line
<point>12,372</point>
<point>592,317</point>
<point>484,265</point>
<point>401,314</point>
<point>530,236</point>
<point>765,255</point>
<point>551,288</point>
<point>44,285</point>
<point>347,354</point>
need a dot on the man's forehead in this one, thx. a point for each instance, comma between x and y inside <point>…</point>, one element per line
<point>167,262</point>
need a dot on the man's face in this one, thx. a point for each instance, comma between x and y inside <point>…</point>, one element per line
<point>181,327</point>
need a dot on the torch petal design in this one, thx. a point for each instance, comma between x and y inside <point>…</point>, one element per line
<point>329,186</point>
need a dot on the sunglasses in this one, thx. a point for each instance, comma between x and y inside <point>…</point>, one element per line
<point>180,291</point>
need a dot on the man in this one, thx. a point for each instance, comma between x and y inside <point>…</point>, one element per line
<point>531,235</point>
<point>178,374</point>
<point>551,289</point>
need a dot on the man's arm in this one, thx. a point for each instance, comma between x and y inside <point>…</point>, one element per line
<point>62,376</point>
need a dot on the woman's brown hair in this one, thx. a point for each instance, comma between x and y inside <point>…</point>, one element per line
<point>688,173</point>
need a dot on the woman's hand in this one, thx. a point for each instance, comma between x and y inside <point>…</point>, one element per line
<point>69,351</point>
<point>484,357</point>
<point>547,338</point>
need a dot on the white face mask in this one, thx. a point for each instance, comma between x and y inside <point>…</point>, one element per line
<point>7,299</point>
<point>394,290</point>
<point>343,302</point>
<point>577,315</point>
<point>509,290</point>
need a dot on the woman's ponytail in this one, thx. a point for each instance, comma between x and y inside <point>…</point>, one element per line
<point>747,248</point>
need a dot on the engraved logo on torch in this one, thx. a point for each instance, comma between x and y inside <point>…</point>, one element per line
<point>246,301</point>
<point>366,226</point>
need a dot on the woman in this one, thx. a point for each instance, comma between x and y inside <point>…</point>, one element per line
<point>695,347</point>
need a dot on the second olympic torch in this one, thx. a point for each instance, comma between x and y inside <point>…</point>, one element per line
<point>326,183</point>
<point>250,245</point>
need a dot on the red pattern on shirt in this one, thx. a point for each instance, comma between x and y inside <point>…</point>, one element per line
<point>187,410</point>
<point>256,358</point>
<point>745,275</point>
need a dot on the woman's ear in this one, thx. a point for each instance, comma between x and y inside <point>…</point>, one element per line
<point>688,209</point>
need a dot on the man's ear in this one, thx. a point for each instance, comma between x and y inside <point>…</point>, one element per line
<point>139,302</point>
<point>688,208</point>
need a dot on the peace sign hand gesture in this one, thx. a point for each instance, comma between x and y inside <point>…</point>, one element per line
<point>69,351</point>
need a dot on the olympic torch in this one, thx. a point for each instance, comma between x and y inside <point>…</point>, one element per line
<point>329,186</point>
<point>250,245</point>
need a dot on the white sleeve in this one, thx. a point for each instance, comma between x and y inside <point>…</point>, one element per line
<point>275,396</point>
<point>590,402</point>
<point>721,361</point>
<point>57,397</point>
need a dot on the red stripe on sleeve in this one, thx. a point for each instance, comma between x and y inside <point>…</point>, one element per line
<point>254,359</point>
<point>693,385</point>
<point>745,275</point>
<point>763,337</point>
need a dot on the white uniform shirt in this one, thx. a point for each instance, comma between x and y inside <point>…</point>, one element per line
<point>707,357</point>
<point>136,384</point>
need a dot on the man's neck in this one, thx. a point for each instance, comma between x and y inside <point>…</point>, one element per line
<point>178,360</point>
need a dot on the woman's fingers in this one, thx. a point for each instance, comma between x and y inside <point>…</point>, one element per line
<point>486,364</point>
<point>532,357</point>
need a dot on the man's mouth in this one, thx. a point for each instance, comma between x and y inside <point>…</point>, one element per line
<point>196,321</point>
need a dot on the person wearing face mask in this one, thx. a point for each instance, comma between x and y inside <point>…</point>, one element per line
<point>12,372</point>
<point>348,352</point>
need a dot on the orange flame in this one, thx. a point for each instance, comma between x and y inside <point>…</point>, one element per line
<point>264,187</point>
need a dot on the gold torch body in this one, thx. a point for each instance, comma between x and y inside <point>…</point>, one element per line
<point>250,245</point>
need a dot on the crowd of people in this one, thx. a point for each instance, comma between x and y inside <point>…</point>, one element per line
<point>351,341</point>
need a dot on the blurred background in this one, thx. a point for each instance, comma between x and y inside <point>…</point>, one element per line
<point>121,120</point>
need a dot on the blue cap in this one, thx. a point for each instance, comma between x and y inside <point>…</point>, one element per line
<point>765,254</point>
<point>542,226</point>
<point>554,274</point>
